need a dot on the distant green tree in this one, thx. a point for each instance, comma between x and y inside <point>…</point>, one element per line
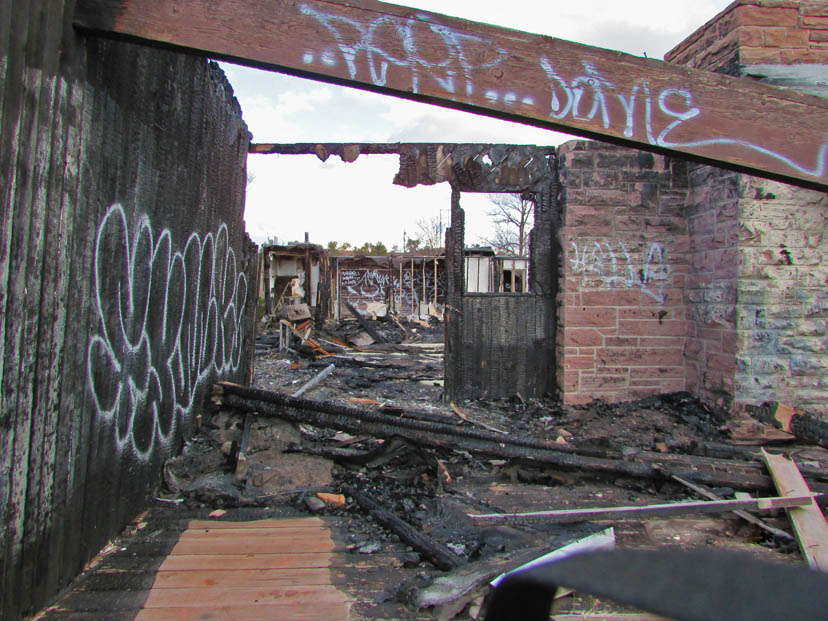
<point>373,250</point>
<point>412,245</point>
<point>335,247</point>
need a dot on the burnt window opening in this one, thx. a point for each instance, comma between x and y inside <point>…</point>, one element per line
<point>512,281</point>
<point>503,263</point>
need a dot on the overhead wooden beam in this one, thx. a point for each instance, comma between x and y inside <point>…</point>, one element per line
<point>592,92</point>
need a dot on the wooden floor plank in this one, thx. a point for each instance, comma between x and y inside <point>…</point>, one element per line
<point>248,533</point>
<point>270,523</point>
<point>245,561</point>
<point>289,576</point>
<point>241,596</point>
<point>267,569</point>
<point>329,612</point>
<point>257,546</point>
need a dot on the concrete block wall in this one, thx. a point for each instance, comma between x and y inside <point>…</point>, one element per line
<point>758,295</point>
<point>623,316</point>
<point>782,318</point>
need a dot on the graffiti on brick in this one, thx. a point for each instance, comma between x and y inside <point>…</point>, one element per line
<point>169,321</point>
<point>613,264</point>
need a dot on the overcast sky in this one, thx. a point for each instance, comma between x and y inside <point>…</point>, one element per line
<point>357,202</point>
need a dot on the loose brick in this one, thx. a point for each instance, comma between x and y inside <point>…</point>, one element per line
<point>589,382</point>
<point>750,36</point>
<point>785,37</point>
<point>583,337</point>
<point>804,56</point>
<point>652,312</point>
<point>662,341</point>
<point>757,55</point>
<point>590,317</point>
<point>621,341</point>
<point>572,363</point>
<point>815,21</point>
<point>652,328</point>
<point>641,357</point>
<point>657,372</point>
<point>595,196</point>
<point>611,297</point>
<point>747,15</point>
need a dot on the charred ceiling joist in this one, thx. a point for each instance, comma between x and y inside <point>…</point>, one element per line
<point>466,167</point>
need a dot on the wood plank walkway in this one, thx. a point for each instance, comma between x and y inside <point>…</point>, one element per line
<point>273,568</point>
<point>265,569</point>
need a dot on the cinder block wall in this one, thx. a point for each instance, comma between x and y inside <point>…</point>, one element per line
<point>758,297</point>
<point>624,249</point>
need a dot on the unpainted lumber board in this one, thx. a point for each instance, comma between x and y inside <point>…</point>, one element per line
<point>809,524</point>
<point>748,517</point>
<point>563,516</point>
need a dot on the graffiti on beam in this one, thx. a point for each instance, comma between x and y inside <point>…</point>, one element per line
<point>615,267</point>
<point>170,320</point>
<point>427,50</point>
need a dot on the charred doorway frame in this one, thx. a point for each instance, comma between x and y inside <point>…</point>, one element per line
<point>526,366</point>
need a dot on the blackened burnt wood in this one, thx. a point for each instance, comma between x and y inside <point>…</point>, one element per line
<point>365,325</point>
<point>434,552</point>
<point>737,475</point>
<point>596,93</point>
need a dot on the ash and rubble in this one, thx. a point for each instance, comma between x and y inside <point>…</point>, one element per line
<point>256,458</point>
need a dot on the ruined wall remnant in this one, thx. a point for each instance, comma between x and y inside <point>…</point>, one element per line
<point>404,284</point>
<point>624,269</point>
<point>759,296</point>
<point>126,282</point>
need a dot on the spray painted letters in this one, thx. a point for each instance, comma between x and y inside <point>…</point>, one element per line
<point>463,65</point>
<point>169,321</point>
<point>614,267</point>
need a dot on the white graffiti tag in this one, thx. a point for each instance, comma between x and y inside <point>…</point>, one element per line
<point>354,38</point>
<point>616,268</point>
<point>463,65</point>
<point>169,320</point>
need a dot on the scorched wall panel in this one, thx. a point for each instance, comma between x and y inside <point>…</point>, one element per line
<point>124,274</point>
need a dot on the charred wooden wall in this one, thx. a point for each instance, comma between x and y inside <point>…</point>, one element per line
<point>508,347</point>
<point>123,281</point>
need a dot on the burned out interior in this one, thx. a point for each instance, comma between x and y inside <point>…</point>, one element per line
<point>625,419</point>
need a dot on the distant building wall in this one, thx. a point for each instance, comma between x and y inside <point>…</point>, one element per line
<point>126,282</point>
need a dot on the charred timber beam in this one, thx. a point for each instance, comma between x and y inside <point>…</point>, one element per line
<point>358,421</point>
<point>434,552</point>
<point>596,93</point>
<point>365,326</point>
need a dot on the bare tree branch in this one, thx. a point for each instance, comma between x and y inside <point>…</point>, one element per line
<point>432,232</point>
<point>513,217</point>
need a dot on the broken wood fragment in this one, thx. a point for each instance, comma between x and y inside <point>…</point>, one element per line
<point>809,524</point>
<point>365,325</point>
<point>748,517</point>
<point>792,420</point>
<point>315,381</point>
<point>434,552</point>
<point>472,421</point>
<point>565,516</point>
